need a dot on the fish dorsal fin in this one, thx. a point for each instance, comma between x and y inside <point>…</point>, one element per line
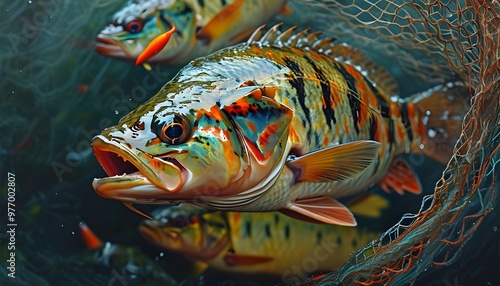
<point>376,73</point>
<point>340,52</point>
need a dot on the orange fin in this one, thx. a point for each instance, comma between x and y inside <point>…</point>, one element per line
<point>324,209</point>
<point>221,23</point>
<point>335,163</point>
<point>91,240</point>
<point>233,259</point>
<point>400,178</point>
<point>155,46</point>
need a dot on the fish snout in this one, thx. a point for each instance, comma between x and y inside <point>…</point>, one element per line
<point>109,47</point>
<point>129,167</point>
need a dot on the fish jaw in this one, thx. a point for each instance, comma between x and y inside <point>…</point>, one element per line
<point>134,176</point>
<point>107,46</point>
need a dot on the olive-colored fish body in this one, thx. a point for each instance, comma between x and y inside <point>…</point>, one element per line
<point>283,122</point>
<point>266,243</point>
<point>202,27</point>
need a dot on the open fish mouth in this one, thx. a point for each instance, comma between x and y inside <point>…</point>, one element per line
<point>109,48</point>
<point>136,178</point>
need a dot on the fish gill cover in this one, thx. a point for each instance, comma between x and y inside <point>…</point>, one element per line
<point>56,92</point>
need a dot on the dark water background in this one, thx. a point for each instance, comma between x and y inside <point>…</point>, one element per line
<point>56,94</point>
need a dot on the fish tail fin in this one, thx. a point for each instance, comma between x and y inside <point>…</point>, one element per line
<point>441,111</point>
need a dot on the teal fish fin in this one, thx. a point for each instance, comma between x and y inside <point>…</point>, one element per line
<point>263,122</point>
<point>368,205</point>
<point>335,163</point>
<point>233,259</point>
<point>401,178</point>
<point>323,209</point>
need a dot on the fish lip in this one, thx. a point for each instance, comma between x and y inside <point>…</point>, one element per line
<point>130,178</point>
<point>109,47</point>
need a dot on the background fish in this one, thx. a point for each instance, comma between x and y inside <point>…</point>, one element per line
<point>267,243</point>
<point>202,27</point>
<point>276,124</point>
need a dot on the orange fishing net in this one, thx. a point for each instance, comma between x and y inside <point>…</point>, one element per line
<point>433,41</point>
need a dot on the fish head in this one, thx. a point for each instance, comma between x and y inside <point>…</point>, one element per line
<point>187,229</point>
<point>191,143</point>
<point>139,22</point>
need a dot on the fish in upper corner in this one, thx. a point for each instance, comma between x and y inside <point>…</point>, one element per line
<point>201,27</point>
<point>283,122</point>
<point>265,243</point>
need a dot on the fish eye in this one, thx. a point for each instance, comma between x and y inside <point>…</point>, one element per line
<point>179,221</point>
<point>134,25</point>
<point>176,131</point>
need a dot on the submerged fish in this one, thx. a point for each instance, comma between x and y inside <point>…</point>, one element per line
<point>284,122</point>
<point>130,263</point>
<point>266,243</point>
<point>202,27</point>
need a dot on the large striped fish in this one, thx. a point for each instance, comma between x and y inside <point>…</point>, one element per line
<point>284,122</point>
<point>266,243</point>
<point>202,27</point>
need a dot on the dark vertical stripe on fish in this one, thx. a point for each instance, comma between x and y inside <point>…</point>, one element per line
<point>383,104</point>
<point>297,81</point>
<point>373,127</point>
<point>390,133</point>
<point>352,95</point>
<point>287,231</point>
<point>276,219</point>
<point>373,131</point>
<point>268,230</point>
<point>339,240</point>
<point>406,121</point>
<point>248,228</point>
<point>326,93</point>
<point>201,3</point>
<point>319,237</point>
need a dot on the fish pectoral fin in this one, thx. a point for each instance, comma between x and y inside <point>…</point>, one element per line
<point>368,205</point>
<point>233,259</point>
<point>335,163</point>
<point>324,209</point>
<point>221,23</point>
<point>401,178</point>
